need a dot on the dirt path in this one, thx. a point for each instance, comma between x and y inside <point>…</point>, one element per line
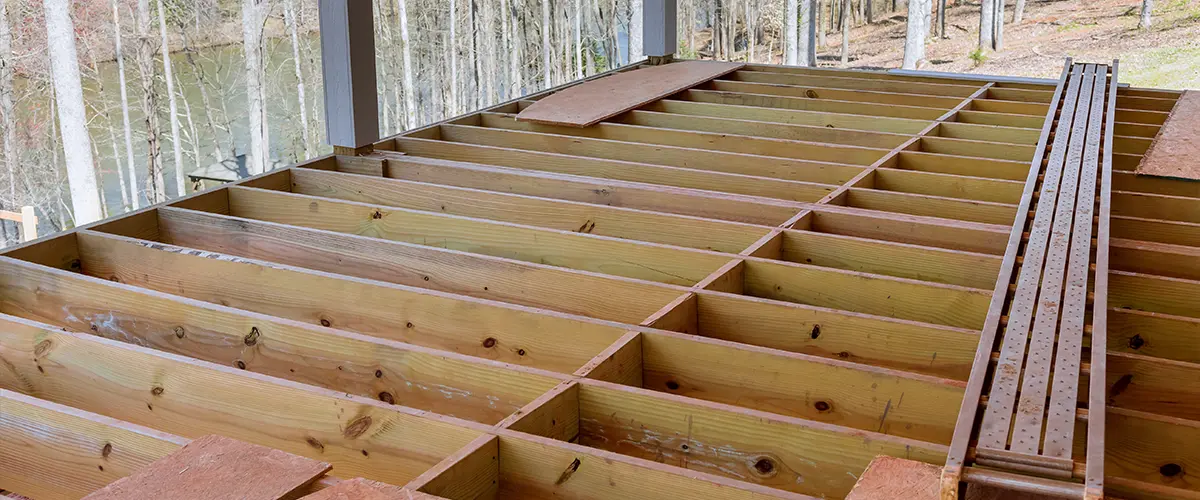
<point>1168,56</point>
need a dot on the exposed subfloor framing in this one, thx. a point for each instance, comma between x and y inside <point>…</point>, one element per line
<point>748,289</point>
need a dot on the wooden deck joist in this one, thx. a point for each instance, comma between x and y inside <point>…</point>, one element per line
<point>747,289</point>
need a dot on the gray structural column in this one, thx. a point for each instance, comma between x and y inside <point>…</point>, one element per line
<point>659,19</point>
<point>348,66</point>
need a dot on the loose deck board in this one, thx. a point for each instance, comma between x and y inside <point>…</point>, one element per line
<point>591,102</point>
<point>1177,145</point>
<point>216,467</point>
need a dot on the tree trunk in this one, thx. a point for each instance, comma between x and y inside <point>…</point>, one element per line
<point>1147,6</point>
<point>987,10</point>
<point>820,22</point>
<point>155,184</point>
<point>289,18</point>
<point>998,31</point>
<point>452,47</point>
<point>635,31</point>
<point>258,157</point>
<point>518,57</point>
<point>791,16</point>
<point>546,44</point>
<point>169,76</point>
<point>202,84</point>
<point>475,57</point>
<point>134,197</point>
<point>942,18</point>
<point>914,42</point>
<point>751,32</point>
<point>809,27</point>
<point>870,9</point>
<point>8,137</point>
<point>845,33</point>
<point>68,92</point>
<point>506,52</point>
<point>410,107</point>
<point>1018,11</point>
<point>578,39</point>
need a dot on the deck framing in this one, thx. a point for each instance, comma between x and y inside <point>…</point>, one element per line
<point>747,289</point>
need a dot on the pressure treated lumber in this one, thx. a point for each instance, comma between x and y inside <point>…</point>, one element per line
<point>591,102</point>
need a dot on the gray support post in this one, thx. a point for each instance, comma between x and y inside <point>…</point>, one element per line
<point>348,65</point>
<point>659,19</point>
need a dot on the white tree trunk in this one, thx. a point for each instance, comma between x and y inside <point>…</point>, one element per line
<point>8,110</point>
<point>1147,6</point>
<point>998,23</point>
<point>578,39</point>
<point>289,17</point>
<point>791,16</point>
<point>134,196</point>
<point>846,32</point>
<point>1018,12</point>
<point>518,57</point>
<point>506,54</point>
<point>914,41</point>
<point>155,184</point>
<point>808,32</point>
<point>635,31</point>
<point>169,75</point>
<point>258,157</point>
<point>987,10</point>
<point>68,92</point>
<point>751,31</point>
<point>452,46</point>
<point>410,107</point>
<point>546,43</point>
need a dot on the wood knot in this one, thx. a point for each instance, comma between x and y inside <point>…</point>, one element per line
<point>325,322</point>
<point>520,352</point>
<point>42,348</point>
<point>386,397</point>
<point>75,265</point>
<point>378,373</point>
<point>811,94</point>
<point>358,426</point>
<point>107,450</point>
<point>672,385</point>
<point>1136,342</point>
<point>816,331</point>
<point>157,391</point>
<point>252,337</point>
<point>240,364</point>
<point>489,342</point>
<point>764,467</point>
<point>180,332</point>
<point>376,215</point>
<point>822,406</point>
<point>314,443</point>
<point>1170,470</point>
<point>566,474</point>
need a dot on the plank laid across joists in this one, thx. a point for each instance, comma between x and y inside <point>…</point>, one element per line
<point>746,285</point>
<point>593,101</point>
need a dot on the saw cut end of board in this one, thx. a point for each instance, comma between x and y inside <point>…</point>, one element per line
<point>592,101</point>
<point>1177,145</point>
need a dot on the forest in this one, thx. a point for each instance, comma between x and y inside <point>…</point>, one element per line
<point>108,105</point>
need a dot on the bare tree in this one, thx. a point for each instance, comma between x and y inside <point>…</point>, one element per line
<point>578,39</point>
<point>410,107</point>
<point>169,75</point>
<point>914,42</point>
<point>791,22</point>
<point>134,198</point>
<point>846,32</point>
<point>635,31</point>
<point>1018,11</point>
<point>987,24</point>
<point>68,92</point>
<point>998,31</point>
<point>253,17</point>
<point>1147,6</point>
<point>155,184</point>
<point>546,43</point>
<point>289,17</point>
<point>518,60</point>
<point>8,117</point>
<point>452,47</point>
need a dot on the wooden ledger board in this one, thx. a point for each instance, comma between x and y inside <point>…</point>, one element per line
<point>590,102</point>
